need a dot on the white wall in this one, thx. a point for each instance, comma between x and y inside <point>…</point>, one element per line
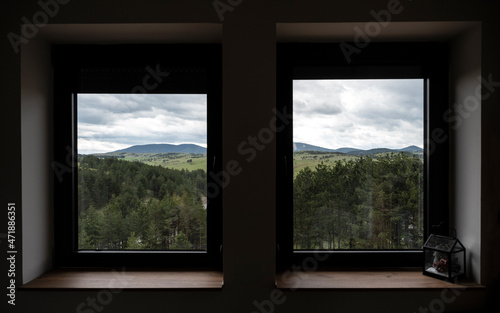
<point>36,134</point>
<point>465,132</point>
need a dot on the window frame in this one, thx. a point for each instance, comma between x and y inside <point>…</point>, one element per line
<point>374,61</point>
<point>68,62</point>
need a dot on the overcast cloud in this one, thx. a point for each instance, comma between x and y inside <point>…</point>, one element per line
<point>109,122</point>
<point>362,114</point>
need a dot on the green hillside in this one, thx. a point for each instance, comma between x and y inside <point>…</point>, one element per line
<point>198,161</point>
<point>310,159</point>
<point>173,160</point>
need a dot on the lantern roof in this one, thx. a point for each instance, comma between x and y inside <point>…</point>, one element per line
<point>443,244</point>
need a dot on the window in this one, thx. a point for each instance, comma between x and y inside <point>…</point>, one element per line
<point>368,193</point>
<point>363,173</point>
<point>137,134</point>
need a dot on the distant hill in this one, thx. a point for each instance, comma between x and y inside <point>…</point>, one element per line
<point>300,146</point>
<point>411,149</point>
<point>164,148</point>
<point>297,147</point>
<point>347,150</point>
<point>372,151</point>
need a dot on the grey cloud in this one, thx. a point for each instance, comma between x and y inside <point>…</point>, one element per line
<point>142,119</point>
<point>359,113</point>
<point>109,107</point>
<point>308,107</point>
<point>402,101</point>
<point>328,108</point>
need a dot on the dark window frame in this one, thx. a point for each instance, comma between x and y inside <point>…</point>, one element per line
<point>68,62</point>
<point>377,60</point>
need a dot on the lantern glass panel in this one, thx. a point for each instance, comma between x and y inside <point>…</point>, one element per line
<point>444,257</point>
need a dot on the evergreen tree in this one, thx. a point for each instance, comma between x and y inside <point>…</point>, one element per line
<point>366,203</point>
<point>181,242</point>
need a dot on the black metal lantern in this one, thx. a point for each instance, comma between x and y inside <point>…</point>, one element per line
<point>444,258</point>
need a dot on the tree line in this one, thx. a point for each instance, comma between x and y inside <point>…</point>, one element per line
<point>132,205</point>
<point>365,203</point>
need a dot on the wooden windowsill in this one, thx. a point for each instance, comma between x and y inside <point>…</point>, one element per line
<point>366,280</point>
<point>77,279</point>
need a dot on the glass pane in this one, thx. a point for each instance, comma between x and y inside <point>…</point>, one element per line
<point>358,164</point>
<point>142,172</point>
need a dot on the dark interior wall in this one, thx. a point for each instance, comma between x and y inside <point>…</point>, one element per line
<point>248,40</point>
<point>490,211</point>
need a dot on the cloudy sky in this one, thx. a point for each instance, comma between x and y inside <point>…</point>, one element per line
<point>333,114</point>
<point>109,122</point>
<point>360,114</point>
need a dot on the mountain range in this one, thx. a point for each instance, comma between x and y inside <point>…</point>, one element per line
<point>297,147</point>
<point>300,146</point>
<point>164,148</point>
